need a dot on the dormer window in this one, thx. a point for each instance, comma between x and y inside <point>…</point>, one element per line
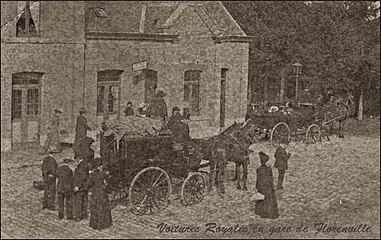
<point>25,26</point>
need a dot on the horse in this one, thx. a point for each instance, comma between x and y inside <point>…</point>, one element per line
<point>338,110</point>
<point>231,145</point>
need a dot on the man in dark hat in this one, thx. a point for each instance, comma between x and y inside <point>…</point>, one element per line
<point>65,189</point>
<point>80,135</point>
<point>177,126</point>
<point>53,139</point>
<point>81,174</point>
<point>281,161</point>
<point>129,111</point>
<point>49,170</point>
<point>267,208</point>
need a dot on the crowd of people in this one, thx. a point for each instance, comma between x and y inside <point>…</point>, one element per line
<point>73,181</point>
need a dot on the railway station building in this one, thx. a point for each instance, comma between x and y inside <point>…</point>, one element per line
<point>101,54</point>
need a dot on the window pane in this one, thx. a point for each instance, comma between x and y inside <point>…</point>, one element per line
<point>195,98</point>
<point>100,99</point>
<point>16,104</point>
<point>32,108</point>
<point>113,98</point>
<point>188,76</point>
<point>186,92</point>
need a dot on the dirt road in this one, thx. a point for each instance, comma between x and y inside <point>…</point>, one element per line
<point>334,183</point>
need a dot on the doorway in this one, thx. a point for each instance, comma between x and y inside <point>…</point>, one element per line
<point>150,84</point>
<point>26,110</point>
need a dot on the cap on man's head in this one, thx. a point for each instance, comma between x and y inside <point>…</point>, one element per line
<point>285,142</point>
<point>129,103</point>
<point>82,110</point>
<point>58,110</point>
<point>263,156</point>
<point>175,109</point>
<point>67,160</point>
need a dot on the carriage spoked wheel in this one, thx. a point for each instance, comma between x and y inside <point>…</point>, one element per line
<point>149,191</point>
<point>192,189</point>
<point>313,133</point>
<point>279,133</point>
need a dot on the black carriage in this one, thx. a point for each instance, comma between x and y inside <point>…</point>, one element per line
<point>143,170</point>
<point>279,126</point>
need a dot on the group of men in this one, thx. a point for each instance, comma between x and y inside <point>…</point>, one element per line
<point>71,187</point>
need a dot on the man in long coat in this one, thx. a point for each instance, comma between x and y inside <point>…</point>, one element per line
<point>49,170</point>
<point>65,191</point>
<point>81,174</point>
<point>281,162</point>
<point>53,139</point>
<point>80,135</point>
<point>178,127</point>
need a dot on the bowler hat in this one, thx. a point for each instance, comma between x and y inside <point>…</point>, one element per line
<point>82,110</point>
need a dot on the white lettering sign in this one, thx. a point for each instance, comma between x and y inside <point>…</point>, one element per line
<point>139,66</point>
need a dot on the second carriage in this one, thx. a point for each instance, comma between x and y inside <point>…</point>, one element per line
<point>303,123</point>
<point>145,170</point>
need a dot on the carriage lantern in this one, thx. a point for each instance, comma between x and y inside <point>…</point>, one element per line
<point>298,69</point>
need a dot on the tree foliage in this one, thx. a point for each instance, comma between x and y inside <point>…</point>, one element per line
<point>338,43</point>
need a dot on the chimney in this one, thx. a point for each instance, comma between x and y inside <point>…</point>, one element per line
<point>142,19</point>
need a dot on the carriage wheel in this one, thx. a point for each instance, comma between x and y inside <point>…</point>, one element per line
<point>280,132</point>
<point>149,191</point>
<point>313,133</point>
<point>192,190</point>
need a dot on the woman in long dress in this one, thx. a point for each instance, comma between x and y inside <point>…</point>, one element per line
<point>100,209</point>
<point>267,208</point>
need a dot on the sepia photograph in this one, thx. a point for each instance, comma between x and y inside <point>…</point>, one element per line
<point>190,119</point>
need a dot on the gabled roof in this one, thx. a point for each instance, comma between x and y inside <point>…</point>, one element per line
<point>126,16</point>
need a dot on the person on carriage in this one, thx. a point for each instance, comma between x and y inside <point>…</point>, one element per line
<point>157,108</point>
<point>178,127</point>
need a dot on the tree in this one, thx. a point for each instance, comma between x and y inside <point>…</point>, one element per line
<point>337,42</point>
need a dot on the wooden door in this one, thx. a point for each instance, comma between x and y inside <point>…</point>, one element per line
<point>26,112</point>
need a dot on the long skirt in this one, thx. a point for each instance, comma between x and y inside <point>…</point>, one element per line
<point>267,208</point>
<point>100,211</point>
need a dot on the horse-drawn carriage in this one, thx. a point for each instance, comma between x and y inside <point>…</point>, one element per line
<point>144,169</point>
<point>306,121</point>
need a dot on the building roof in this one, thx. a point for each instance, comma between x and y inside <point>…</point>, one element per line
<point>127,17</point>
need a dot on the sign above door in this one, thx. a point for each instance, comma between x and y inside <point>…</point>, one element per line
<point>139,65</point>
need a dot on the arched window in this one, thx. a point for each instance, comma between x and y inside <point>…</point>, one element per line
<point>108,96</point>
<point>192,91</point>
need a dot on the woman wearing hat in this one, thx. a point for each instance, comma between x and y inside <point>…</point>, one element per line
<point>100,209</point>
<point>81,128</point>
<point>267,208</point>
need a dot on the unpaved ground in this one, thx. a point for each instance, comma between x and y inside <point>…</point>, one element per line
<point>335,182</point>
